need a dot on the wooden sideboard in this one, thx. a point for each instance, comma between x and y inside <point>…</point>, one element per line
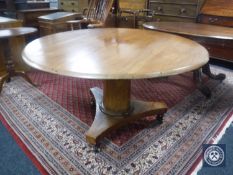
<point>218,12</point>
<point>17,44</point>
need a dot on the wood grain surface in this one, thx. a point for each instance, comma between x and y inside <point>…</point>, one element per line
<point>115,53</point>
<point>18,31</point>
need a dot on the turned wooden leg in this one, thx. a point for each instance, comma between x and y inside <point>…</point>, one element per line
<point>160,118</point>
<point>206,70</point>
<point>93,104</point>
<point>24,75</point>
<point>115,109</point>
<point>197,76</point>
<point>3,79</point>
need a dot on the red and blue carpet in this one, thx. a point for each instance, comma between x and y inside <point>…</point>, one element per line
<point>51,120</point>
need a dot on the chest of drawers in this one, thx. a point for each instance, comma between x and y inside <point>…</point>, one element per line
<point>175,10</point>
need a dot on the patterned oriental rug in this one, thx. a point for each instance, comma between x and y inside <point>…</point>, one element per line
<point>51,121</point>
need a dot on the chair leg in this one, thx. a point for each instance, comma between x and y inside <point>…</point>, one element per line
<point>24,75</point>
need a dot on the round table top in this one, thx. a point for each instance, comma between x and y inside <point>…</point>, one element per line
<point>115,53</point>
<point>192,29</point>
<point>19,31</point>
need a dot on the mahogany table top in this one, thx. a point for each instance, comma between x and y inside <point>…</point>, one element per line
<point>19,31</point>
<point>6,20</point>
<point>192,29</point>
<point>115,53</point>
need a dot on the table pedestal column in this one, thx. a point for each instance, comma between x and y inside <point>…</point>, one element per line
<point>115,109</point>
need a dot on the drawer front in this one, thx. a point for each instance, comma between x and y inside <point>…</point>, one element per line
<point>38,5</point>
<point>69,8</point>
<point>73,6</point>
<point>173,19</point>
<point>83,4</point>
<point>68,4</point>
<point>132,4</point>
<point>174,10</point>
<point>216,20</point>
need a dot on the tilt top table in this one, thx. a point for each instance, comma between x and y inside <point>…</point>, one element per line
<point>5,35</point>
<point>116,56</point>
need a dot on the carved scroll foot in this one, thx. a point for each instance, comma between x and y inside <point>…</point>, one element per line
<point>7,77</point>
<point>198,78</point>
<point>160,118</point>
<point>205,91</point>
<point>206,70</point>
<point>24,75</point>
<point>3,79</point>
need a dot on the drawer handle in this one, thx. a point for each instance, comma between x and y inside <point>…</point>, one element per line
<point>72,3</point>
<point>160,9</point>
<point>183,10</point>
<point>211,20</point>
<point>62,3</point>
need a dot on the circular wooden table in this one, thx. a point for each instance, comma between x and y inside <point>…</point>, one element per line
<point>5,35</point>
<point>115,56</point>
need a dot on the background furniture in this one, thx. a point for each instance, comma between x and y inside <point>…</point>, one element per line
<point>95,16</point>
<point>30,16</point>
<point>73,5</point>
<point>26,4</point>
<point>175,10</point>
<point>217,12</point>
<point>116,56</point>
<point>8,8</point>
<point>135,11</point>
<point>208,35</point>
<point>56,22</point>
<point>16,43</point>
<point>5,35</point>
<point>9,22</point>
<point>159,10</point>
